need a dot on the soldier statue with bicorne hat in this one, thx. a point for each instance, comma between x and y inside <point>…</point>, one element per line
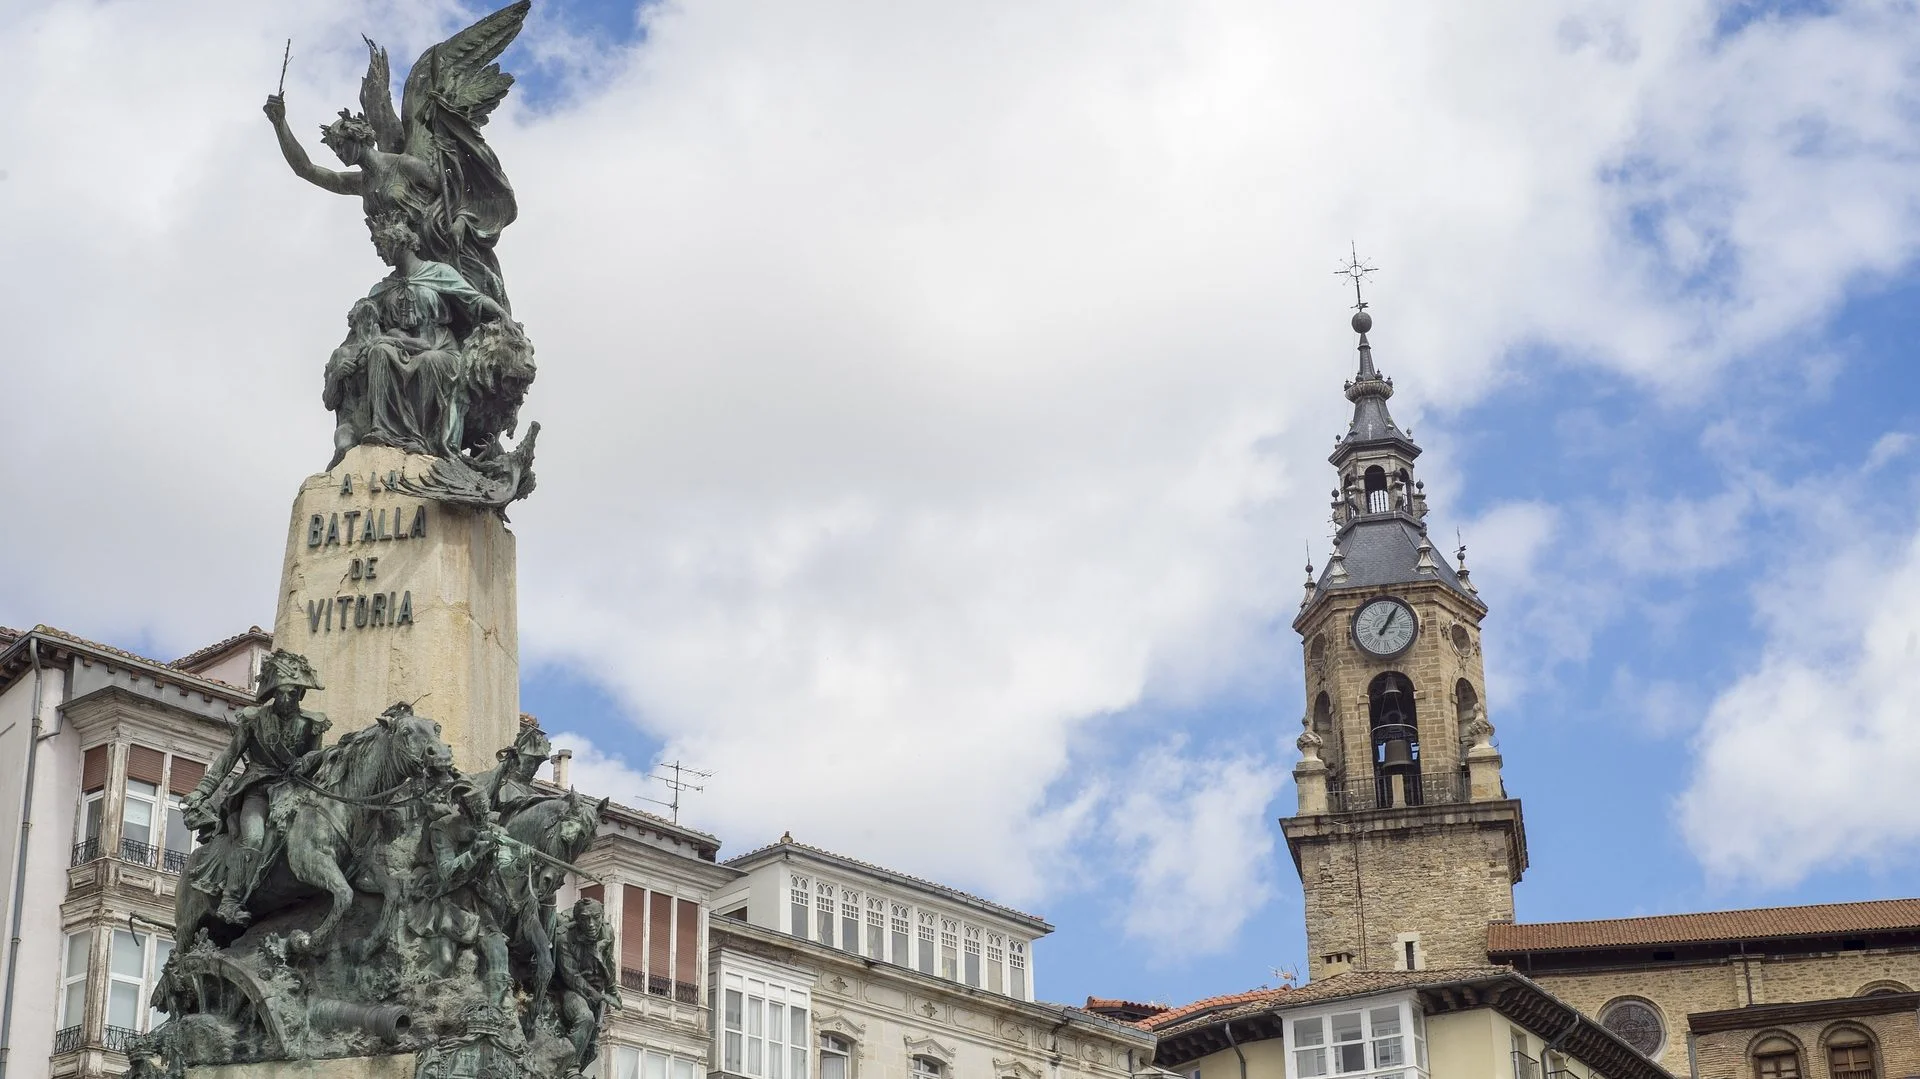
<point>270,738</point>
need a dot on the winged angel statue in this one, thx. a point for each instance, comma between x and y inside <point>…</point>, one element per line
<point>433,361</point>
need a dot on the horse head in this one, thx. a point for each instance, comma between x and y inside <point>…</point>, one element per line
<point>577,825</point>
<point>414,745</point>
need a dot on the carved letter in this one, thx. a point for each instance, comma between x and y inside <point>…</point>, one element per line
<point>313,615</point>
<point>419,529</point>
<point>353,569</point>
<point>333,529</point>
<point>343,603</point>
<point>360,612</point>
<point>373,483</point>
<point>393,480</point>
<point>316,530</point>
<point>405,618</point>
<point>380,526</point>
<point>346,484</point>
<point>377,612</point>
<point>350,515</point>
<point>370,563</point>
<point>366,528</point>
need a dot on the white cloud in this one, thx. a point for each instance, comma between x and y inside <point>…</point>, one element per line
<point>1802,762</point>
<point>920,383</point>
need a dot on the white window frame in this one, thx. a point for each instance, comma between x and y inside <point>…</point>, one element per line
<point>629,1062</point>
<point>763,1000</point>
<point>843,1048</point>
<point>68,978</point>
<point>922,1066</point>
<point>129,797</point>
<point>950,949</point>
<point>1409,1032</point>
<point>900,933</point>
<point>1017,986</point>
<point>148,944</point>
<point>800,908</point>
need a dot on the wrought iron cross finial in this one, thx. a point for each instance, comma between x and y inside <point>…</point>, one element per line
<point>1358,271</point>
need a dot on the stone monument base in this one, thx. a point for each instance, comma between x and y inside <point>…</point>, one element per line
<point>396,597</point>
<point>397,1066</point>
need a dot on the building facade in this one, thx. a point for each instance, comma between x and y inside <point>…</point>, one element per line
<point>99,746</point>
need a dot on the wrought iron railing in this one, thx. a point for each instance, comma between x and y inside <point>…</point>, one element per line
<point>118,1037</point>
<point>87,850</point>
<point>67,1040</point>
<point>1378,791</point>
<point>132,850</point>
<point>1524,1066</point>
<point>655,985</point>
<point>173,861</point>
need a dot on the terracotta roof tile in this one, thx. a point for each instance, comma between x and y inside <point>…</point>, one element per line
<point>787,842</point>
<point>1173,1016</point>
<point>1821,919</point>
<point>199,655</point>
<point>1095,1004</point>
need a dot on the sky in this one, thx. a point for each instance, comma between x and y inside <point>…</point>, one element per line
<point>935,403</point>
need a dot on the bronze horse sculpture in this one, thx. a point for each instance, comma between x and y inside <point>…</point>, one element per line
<point>331,818</point>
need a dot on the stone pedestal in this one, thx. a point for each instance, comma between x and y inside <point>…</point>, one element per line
<point>395,597</point>
<point>397,1066</point>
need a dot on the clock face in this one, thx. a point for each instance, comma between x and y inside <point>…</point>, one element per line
<point>1384,627</point>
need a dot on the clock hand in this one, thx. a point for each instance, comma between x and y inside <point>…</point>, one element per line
<point>1392,613</point>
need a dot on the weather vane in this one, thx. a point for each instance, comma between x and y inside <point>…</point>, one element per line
<point>1358,271</point>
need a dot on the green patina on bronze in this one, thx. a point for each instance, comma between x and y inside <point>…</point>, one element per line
<point>433,362</point>
<point>366,898</point>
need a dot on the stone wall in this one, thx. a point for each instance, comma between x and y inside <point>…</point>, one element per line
<point>1677,990</point>
<point>1442,872</point>
<point>1894,1037</point>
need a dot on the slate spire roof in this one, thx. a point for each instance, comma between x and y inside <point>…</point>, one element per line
<point>1372,423</point>
<point>1379,543</point>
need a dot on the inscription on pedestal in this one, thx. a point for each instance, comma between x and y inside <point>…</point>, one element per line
<point>355,529</point>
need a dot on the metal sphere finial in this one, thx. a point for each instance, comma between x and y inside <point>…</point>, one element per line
<point>1362,322</point>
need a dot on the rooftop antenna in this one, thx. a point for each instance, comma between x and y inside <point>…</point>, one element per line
<point>677,784</point>
<point>1356,270</point>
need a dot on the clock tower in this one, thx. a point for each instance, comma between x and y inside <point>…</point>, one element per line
<point>1406,842</point>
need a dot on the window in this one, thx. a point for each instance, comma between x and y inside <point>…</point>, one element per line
<point>876,928</point>
<point>1524,1066</point>
<point>928,1068</point>
<point>178,840</point>
<point>632,1063</point>
<point>764,1029</point>
<point>1409,956</point>
<point>1635,1022</point>
<point>996,954</point>
<point>850,921</point>
<point>73,981</point>
<point>90,808</point>
<point>836,1057</point>
<point>1017,972</point>
<point>136,822</point>
<point>1369,1040</point>
<point>972,947</point>
<point>1777,1065</point>
<point>926,943</point>
<point>797,900</point>
<point>133,965</point>
<point>824,913</point>
<point>900,925</point>
<point>1849,1055</point>
<point>949,949</point>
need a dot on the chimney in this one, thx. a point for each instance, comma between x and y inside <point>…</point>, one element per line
<point>1334,963</point>
<point>562,760</point>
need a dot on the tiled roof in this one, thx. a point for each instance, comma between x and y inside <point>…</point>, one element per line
<point>1818,920</point>
<point>787,842</point>
<point>50,633</point>
<point>1352,983</point>
<point>200,655</point>
<point>1104,1005</point>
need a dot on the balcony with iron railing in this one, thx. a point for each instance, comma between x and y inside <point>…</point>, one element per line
<point>87,850</point>
<point>132,850</point>
<point>655,985</point>
<point>68,1040</point>
<point>1380,792</point>
<point>118,1037</point>
<point>1524,1066</point>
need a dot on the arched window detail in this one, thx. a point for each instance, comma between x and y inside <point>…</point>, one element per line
<point>1375,480</point>
<point>1638,1023</point>
<point>928,1068</point>
<point>1396,741</point>
<point>1883,988</point>
<point>836,1057</point>
<point>1850,1053</point>
<point>1466,705</point>
<point>1317,654</point>
<point>1777,1057</point>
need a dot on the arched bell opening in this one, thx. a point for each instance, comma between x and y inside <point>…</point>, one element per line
<point>1396,741</point>
<point>1375,480</point>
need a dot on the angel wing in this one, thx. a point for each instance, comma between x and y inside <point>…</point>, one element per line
<point>450,92</point>
<point>376,100</point>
